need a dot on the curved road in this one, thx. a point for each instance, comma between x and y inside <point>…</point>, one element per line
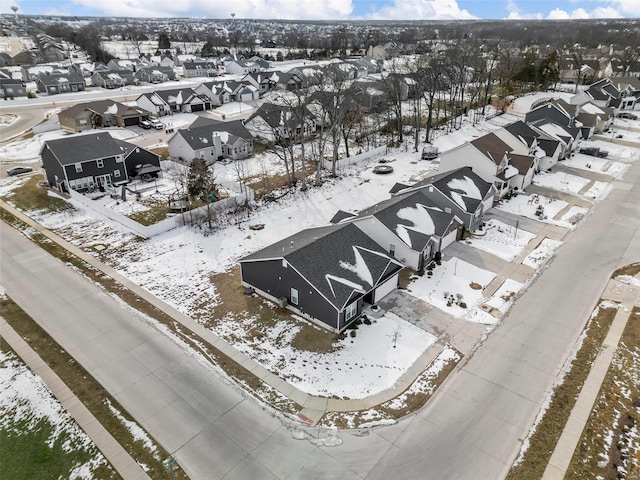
<point>470,429</point>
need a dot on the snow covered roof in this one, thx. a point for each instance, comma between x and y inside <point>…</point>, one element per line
<point>338,261</point>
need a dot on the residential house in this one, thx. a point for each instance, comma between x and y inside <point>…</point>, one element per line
<point>409,227</point>
<point>236,141</point>
<point>459,192</point>
<point>55,83</point>
<point>240,91</point>
<point>200,142</point>
<point>287,80</point>
<point>241,67</point>
<point>30,73</point>
<point>200,69</point>
<point>139,162</point>
<point>125,64</point>
<point>83,162</point>
<point>216,92</point>
<point>112,78</point>
<point>384,52</point>
<point>371,94</point>
<point>166,102</point>
<point>536,142</point>
<point>326,275</point>
<point>275,123</point>
<point>156,74</point>
<point>261,62</point>
<point>161,61</point>
<point>11,88</point>
<point>488,157</point>
<point>263,81</point>
<point>99,114</point>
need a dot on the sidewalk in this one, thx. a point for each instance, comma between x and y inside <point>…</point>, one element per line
<point>628,296</point>
<point>312,407</point>
<point>117,456</point>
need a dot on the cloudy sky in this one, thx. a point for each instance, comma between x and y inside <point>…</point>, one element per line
<point>335,9</point>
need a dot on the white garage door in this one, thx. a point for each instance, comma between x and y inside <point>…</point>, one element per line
<point>386,288</point>
<point>448,239</point>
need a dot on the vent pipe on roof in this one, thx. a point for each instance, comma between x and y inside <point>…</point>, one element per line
<point>291,243</point>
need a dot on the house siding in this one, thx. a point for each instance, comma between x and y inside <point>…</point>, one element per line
<point>90,169</point>
<point>52,168</point>
<point>141,156</point>
<point>271,277</point>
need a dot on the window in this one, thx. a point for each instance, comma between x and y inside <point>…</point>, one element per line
<point>78,167</point>
<point>351,310</point>
<point>294,296</point>
<point>116,173</point>
<point>100,163</point>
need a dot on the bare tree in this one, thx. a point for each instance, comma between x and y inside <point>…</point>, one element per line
<point>137,37</point>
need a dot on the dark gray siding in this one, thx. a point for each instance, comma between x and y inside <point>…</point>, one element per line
<point>271,277</point>
<point>52,168</point>
<point>91,169</point>
<point>140,157</point>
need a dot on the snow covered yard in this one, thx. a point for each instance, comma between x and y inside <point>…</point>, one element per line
<point>528,205</point>
<point>562,181</point>
<point>500,239</point>
<point>453,282</point>
<point>33,421</point>
<point>364,363</point>
<point>596,164</point>
<point>542,253</point>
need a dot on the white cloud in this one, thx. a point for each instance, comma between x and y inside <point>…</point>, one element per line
<point>629,8</point>
<point>267,9</point>
<point>421,10</point>
<point>581,13</point>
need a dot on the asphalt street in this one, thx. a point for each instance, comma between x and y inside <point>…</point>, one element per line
<point>472,427</point>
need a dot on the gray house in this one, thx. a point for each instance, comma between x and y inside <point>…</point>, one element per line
<point>96,160</point>
<point>55,83</point>
<point>460,192</point>
<point>327,274</point>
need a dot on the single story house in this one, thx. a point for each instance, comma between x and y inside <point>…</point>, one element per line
<point>55,83</point>
<point>326,275</point>
<point>98,114</point>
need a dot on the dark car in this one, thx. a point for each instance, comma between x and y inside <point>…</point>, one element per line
<point>627,115</point>
<point>18,171</point>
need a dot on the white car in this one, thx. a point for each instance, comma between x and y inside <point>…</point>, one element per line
<point>157,124</point>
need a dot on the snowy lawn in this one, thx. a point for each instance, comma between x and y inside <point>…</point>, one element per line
<point>34,422</point>
<point>564,182</point>
<point>368,363</point>
<point>504,296</point>
<point>542,253</point>
<point>598,190</point>
<point>527,205</point>
<point>387,413</point>
<point>596,164</point>
<point>501,240</point>
<point>575,214</point>
<point>454,277</point>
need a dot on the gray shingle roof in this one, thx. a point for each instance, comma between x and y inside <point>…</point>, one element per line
<point>81,148</point>
<point>337,260</point>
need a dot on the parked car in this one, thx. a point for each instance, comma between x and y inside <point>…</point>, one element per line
<point>594,152</point>
<point>157,124</point>
<point>225,161</point>
<point>627,115</point>
<point>18,171</point>
<point>145,124</point>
